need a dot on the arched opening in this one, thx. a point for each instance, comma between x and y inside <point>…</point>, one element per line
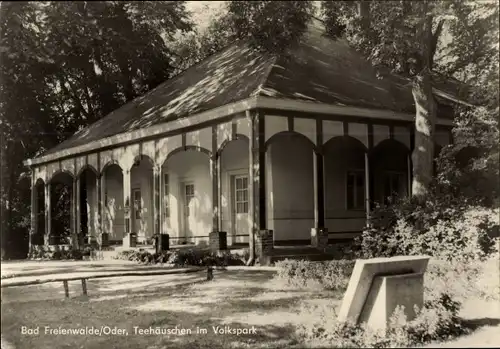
<point>113,221</point>
<point>142,199</point>
<point>290,188</point>
<point>345,185</point>
<point>234,191</point>
<point>88,215</point>
<point>186,190</point>
<point>61,186</point>
<point>390,171</point>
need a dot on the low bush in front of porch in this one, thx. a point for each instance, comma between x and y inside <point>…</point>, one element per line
<point>184,257</point>
<point>448,286</point>
<point>59,252</point>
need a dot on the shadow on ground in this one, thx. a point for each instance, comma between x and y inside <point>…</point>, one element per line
<point>234,299</point>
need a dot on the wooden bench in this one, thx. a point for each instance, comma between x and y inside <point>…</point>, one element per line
<point>83,279</point>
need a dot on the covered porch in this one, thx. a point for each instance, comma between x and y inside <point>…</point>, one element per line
<point>309,174</point>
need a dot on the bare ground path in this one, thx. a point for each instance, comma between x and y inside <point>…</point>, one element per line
<point>238,297</point>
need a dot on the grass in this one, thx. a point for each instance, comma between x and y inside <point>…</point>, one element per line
<point>240,299</point>
<point>236,298</point>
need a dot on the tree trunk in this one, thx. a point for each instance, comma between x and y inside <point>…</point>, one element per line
<point>425,121</point>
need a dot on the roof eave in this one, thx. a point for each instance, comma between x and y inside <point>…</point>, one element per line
<point>255,102</point>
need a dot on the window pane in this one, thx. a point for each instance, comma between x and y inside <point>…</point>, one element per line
<point>245,195</point>
<point>245,183</point>
<point>245,207</point>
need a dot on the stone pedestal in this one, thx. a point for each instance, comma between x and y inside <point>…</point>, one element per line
<point>162,243</point>
<point>378,285</point>
<point>104,240</point>
<point>319,238</point>
<point>388,292</point>
<point>218,241</point>
<point>130,240</point>
<point>264,245</point>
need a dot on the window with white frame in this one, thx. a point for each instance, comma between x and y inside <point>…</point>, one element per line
<point>355,190</point>
<point>241,194</point>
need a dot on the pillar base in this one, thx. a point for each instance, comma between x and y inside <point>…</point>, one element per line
<point>218,241</point>
<point>130,240</point>
<point>264,246</point>
<point>162,243</point>
<point>319,238</point>
<point>104,240</point>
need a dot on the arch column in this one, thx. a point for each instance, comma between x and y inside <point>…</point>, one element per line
<point>319,234</point>
<point>34,210</point>
<point>319,191</point>
<point>48,213</point>
<point>75,212</point>
<point>102,204</point>
<point>367,188</point>
<point>156,200</point>
<point>214,174</point>
<point>261,240</point>
<point>98,204</point>
<point>126,204</point>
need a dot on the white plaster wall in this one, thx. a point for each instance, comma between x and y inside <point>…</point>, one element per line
<point>359,131</point>
<point>340,158</point>
<point>269,191</point>
<point>193,167</point>
<point>234,160</point>
<point>380,133</point>
<point>307,127</point>
<point>402,134</point>
<point>275,124</point>
<point>292,188</point>
<point>332,129</point>
<point>200,138</point>
<point>114,219</point>
<point>243,126</point>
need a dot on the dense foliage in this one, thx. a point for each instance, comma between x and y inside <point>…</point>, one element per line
<point>184,257</point>
<point>446,228</point>
<point>430,43</point>
<point>332,275</point>
<point>447,285</point>
<point>63,66</point>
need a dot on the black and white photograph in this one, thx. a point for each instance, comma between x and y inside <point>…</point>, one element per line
<point>250,174</point>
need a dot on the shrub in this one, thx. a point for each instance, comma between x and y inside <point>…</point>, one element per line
<point>331,275</point>
<point>438,319</point>
<point>182,258</point>
<point>55,253</point>
<point>445,228</point>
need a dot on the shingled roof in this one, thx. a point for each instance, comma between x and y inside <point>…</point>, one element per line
<point>319,69</point>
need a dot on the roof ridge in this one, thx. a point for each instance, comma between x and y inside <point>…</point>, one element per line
<point>260,88</point>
